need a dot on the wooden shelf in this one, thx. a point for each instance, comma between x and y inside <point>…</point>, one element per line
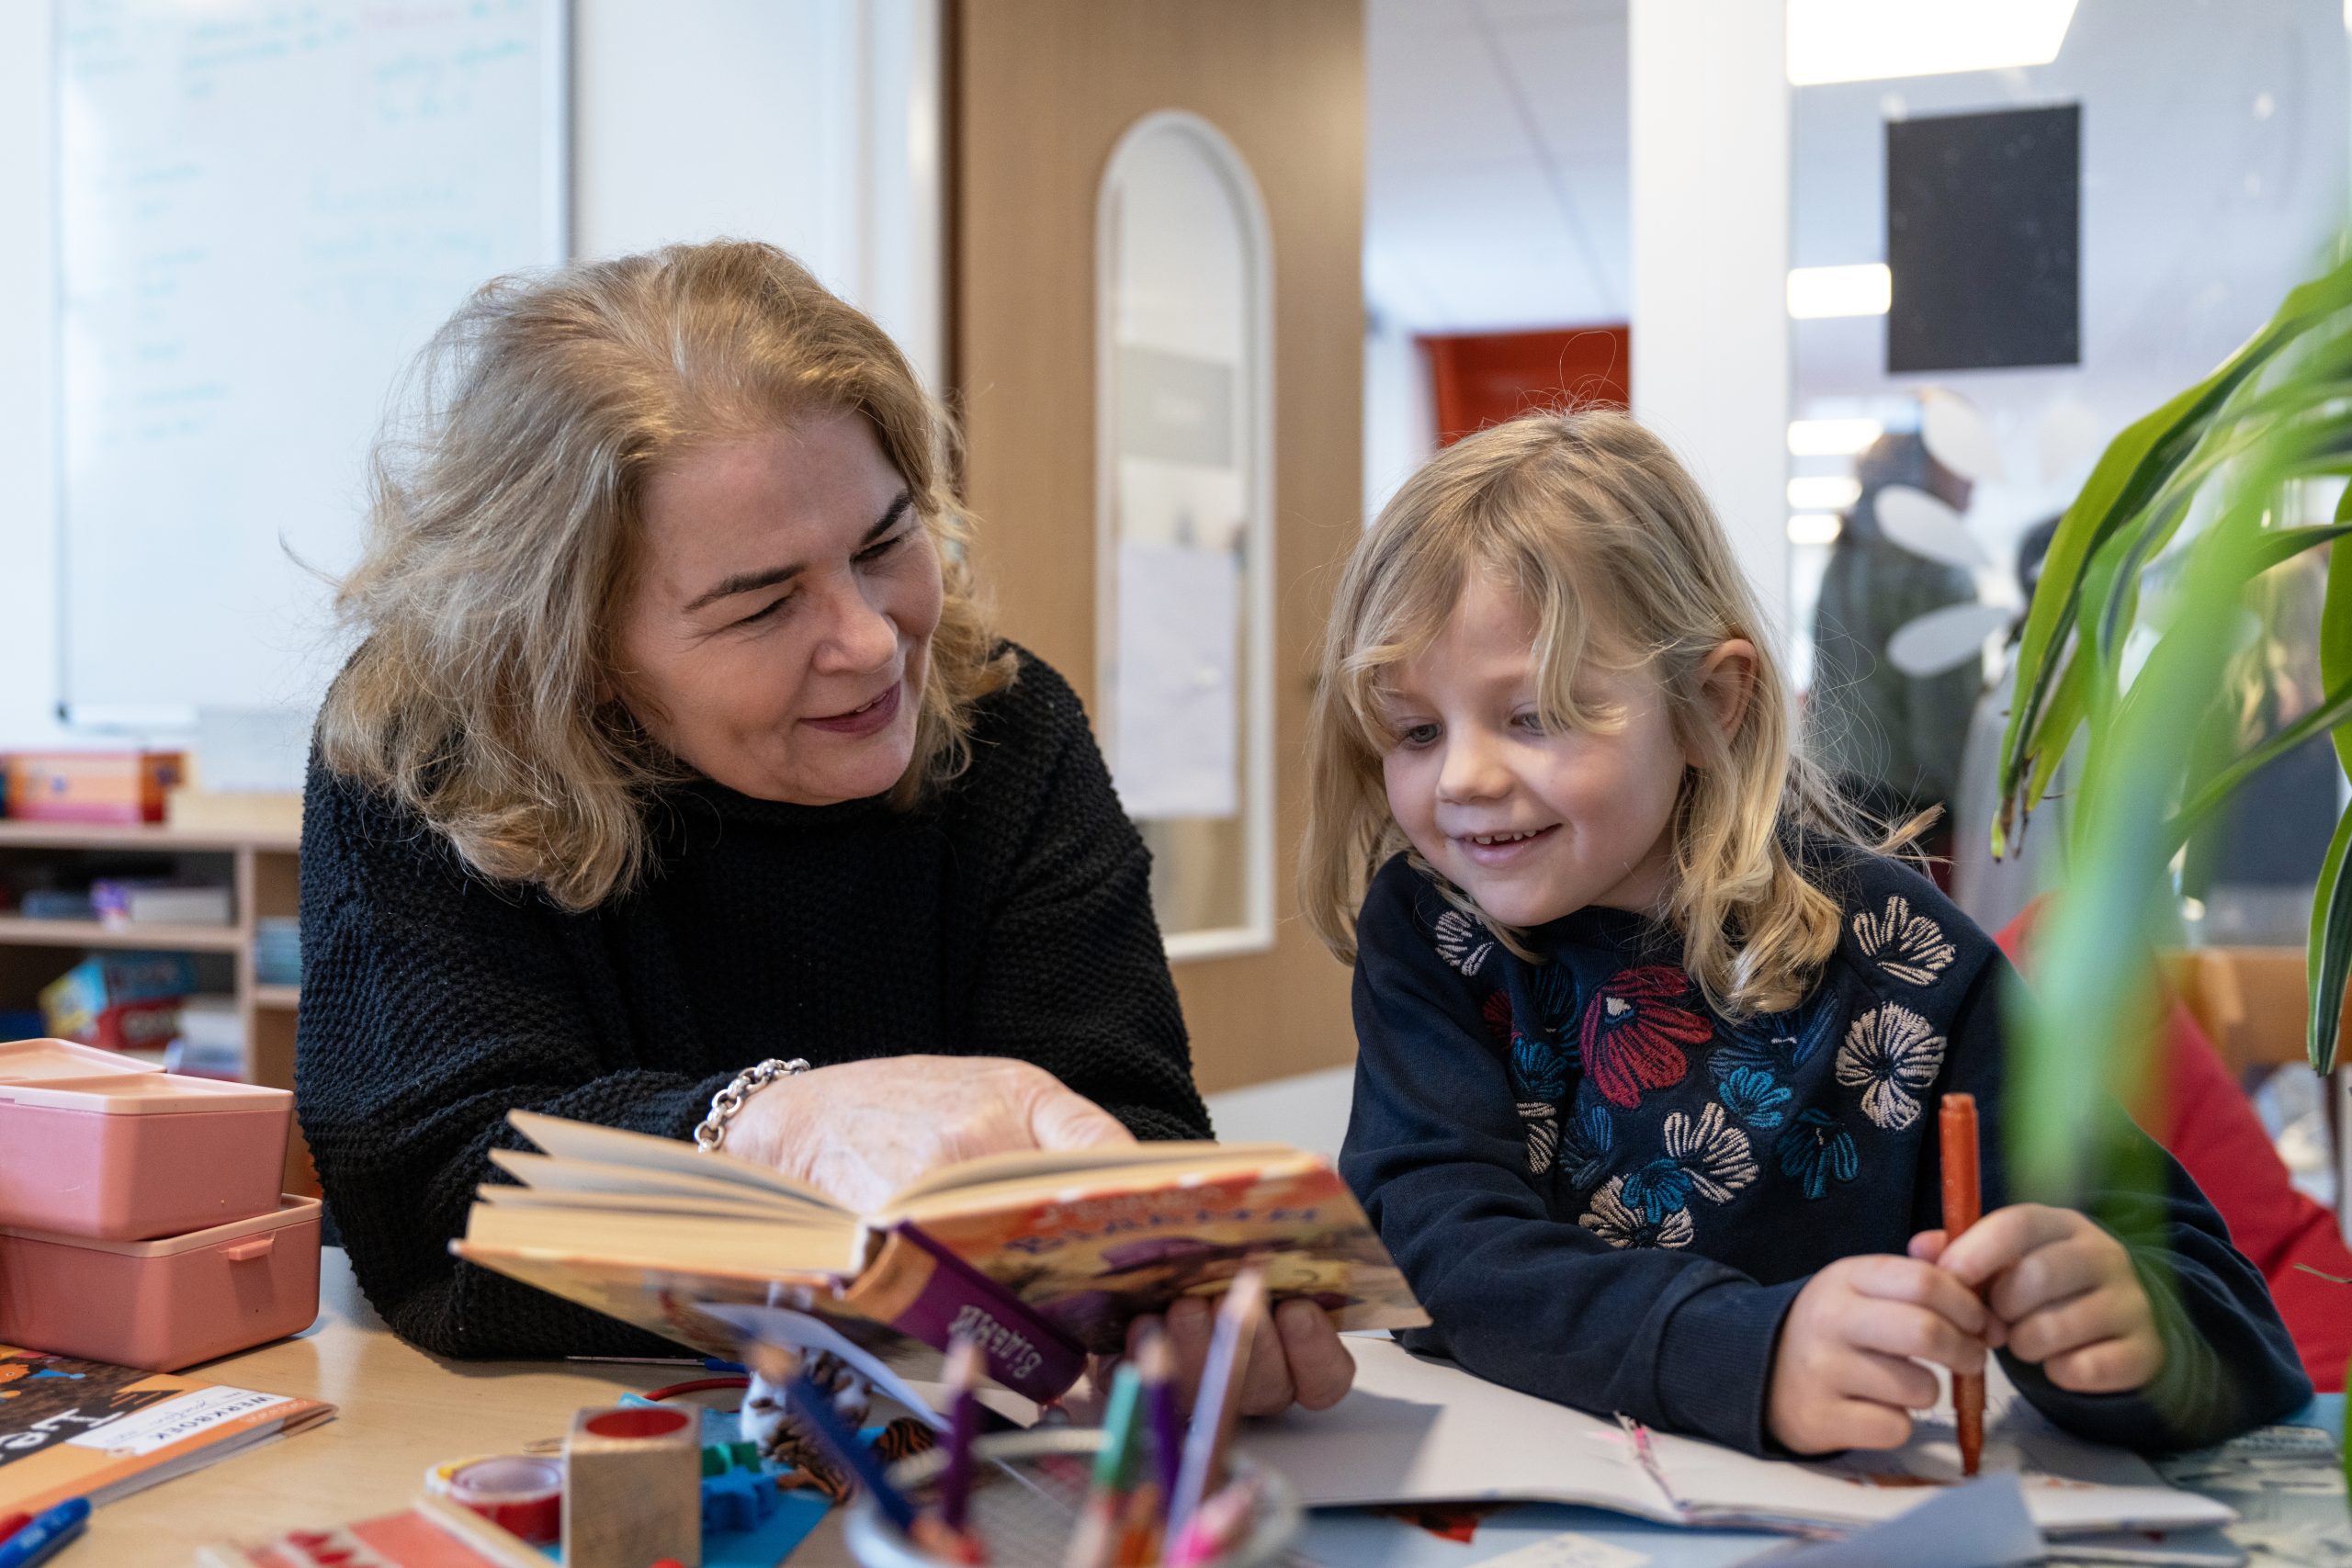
<point>22,932</point>
<point>154,836</point>
<point>265,879</point>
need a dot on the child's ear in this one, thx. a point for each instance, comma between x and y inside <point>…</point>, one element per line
<point>1726,686</point>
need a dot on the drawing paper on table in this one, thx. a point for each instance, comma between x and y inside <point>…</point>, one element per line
<point>1419,1429</point>
<point>1519,1535</point>
<point>2070,1485</point>
<point>1423,1431</point>
<point>1980,1524</point>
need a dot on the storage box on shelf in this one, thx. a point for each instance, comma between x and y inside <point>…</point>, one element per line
<point>260,868</point>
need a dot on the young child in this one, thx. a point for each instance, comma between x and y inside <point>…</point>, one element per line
<point>1651,1046</point>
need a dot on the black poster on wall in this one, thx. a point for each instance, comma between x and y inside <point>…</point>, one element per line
<point>1983,237</point>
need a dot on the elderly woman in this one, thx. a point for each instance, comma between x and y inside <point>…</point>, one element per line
<point>678,742</point>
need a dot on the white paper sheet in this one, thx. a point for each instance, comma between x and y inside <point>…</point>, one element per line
<point>1176,712</point>
<point>1417,1430</point>
<point>1982,1524</point>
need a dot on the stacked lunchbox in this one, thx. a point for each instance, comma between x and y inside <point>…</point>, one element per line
<point>141,1220</point>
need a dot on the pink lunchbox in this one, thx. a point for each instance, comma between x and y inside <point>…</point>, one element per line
<point>99,1145</point>
<point>163,1304</point>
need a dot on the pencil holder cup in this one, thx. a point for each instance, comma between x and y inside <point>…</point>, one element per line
<point>1027,1493</point>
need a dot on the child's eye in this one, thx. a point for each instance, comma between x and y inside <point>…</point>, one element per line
<point>1532,722</point>
<point>874,552</point>
<point>1417,736</point>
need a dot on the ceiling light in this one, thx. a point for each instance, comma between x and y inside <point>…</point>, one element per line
<point>1818,291</point>
<point>1868,41</point>
<point>1824,492</point>
<point>1815,529</point>
<point>1832,437</point>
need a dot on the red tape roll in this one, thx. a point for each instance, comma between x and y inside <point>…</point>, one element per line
<point>521,1496</point>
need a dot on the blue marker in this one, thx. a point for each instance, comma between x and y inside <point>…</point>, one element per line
<point>805,1400</point>
<point>48,1533</point>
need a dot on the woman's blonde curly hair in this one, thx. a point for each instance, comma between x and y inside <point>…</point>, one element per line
<point>1617,553</point>
<point>503,533</point>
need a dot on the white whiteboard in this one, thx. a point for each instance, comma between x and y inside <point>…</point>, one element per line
<point>266,206</point>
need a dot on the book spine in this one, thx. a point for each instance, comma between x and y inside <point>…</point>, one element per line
<point>925,1291</point>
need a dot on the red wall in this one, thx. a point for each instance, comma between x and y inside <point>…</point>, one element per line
<point>1483,378</point>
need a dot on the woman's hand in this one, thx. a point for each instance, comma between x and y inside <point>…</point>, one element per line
<point>2065,1289</point>
<point>1846,1372</point>
<point>1296,1357</point>
<point>861,1131</point>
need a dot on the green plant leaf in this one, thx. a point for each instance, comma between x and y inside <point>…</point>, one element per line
<point>2333,712</point>
<point>2328,959</point>
<point>2128,475</point>
<point>2336,627</point>
<point>2280,546</point>
<point>2047,748</point>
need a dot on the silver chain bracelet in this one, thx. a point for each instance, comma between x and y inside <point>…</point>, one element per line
<point>712,1130</point>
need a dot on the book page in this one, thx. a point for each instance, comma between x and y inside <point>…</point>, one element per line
<point>659,1203</point>
<point>1020,1165</point>
<point>1024,1181</point>
<point>611,1146</point>
<point>748,1247</point>
<point>546,1173</point>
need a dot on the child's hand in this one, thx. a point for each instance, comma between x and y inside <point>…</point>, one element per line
<point>2065,1291</point>
<point>1843,1376</point>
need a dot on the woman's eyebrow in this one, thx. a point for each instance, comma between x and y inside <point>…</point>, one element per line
<point>775,576</point>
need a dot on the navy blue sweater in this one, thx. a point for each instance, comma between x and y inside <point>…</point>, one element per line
<point>1608,1196</point>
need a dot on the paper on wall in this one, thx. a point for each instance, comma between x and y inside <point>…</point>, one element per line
<point>1176,711</point>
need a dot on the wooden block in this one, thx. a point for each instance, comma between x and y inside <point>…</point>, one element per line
<point>632,1487</point>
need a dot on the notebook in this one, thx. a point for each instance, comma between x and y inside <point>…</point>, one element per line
<point>71,1428</point>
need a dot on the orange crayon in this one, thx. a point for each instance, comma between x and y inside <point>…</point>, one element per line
<point>1964,1205</point>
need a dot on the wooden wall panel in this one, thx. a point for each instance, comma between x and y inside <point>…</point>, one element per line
<point>1041,91</point>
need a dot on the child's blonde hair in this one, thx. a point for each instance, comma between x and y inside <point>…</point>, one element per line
<point>1619,559</point>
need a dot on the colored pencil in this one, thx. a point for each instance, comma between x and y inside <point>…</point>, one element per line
<point>1964,1205</point>
<point>962,1426</point>
<point>1095,1543</point>
<point>1139,1527</point>
<point>1219,1400</point>
<point>11,1523</point>
<point>940,1540</point>
<point>805,1400</point>
<point>1156,1363</point>
<point>1216,1528</point>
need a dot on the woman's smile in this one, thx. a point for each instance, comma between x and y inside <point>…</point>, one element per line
<point>868,718</point>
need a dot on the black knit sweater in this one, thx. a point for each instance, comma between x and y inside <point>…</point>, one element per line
<point>1011,917</point>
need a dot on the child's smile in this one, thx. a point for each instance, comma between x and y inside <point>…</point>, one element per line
<point>1532,823</point>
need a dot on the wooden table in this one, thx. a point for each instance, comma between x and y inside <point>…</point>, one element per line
<point>399,1412</point>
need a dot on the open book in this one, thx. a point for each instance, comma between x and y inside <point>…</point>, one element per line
<point>1042,1256</point>
<point>1416,1429</point>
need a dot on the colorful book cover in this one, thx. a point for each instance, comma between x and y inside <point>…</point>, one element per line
<point>1090,1261</point>
<point>72,1428</point>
